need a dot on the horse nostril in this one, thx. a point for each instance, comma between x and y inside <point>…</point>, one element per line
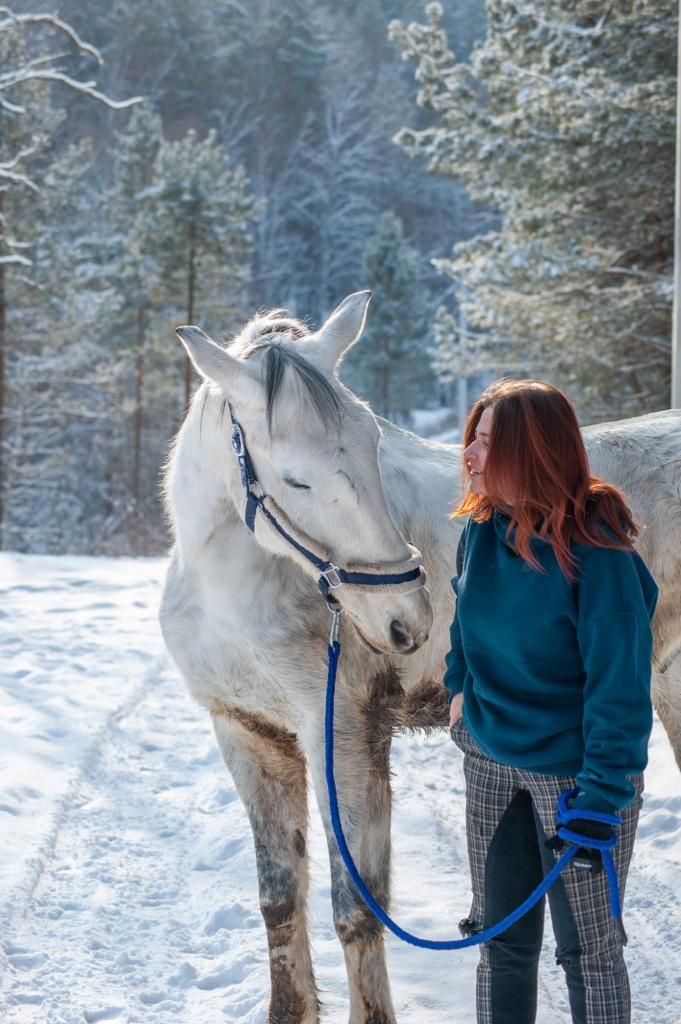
<point>400,635</point>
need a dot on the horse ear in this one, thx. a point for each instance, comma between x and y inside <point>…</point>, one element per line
<point>214,363</point>
<point>341,330</point>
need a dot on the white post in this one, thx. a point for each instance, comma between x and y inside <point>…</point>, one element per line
<point>462,403</point>
<point>462,382</point>
<point>676,314</point>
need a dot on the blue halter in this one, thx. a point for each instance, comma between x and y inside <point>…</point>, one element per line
<point>331,577</point>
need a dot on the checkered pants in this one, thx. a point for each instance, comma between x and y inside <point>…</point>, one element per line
<point>509,815</point>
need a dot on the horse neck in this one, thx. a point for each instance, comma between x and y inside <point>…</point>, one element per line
<point>421,483</point>
<point>202,473</point>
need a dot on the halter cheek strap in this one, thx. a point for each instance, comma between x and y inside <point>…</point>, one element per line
<point>402,577</point>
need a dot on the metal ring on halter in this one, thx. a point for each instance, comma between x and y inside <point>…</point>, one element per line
<point>332,576</point>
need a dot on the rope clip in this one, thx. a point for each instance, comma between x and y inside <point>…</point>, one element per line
<point>334,632</point>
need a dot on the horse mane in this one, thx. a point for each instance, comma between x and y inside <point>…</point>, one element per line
<point>268,333</point>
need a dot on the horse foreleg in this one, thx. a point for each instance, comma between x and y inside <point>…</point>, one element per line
<point>269,774</point>
<point>362,750</point>
<point>667,702</point>
<point>666,681</point>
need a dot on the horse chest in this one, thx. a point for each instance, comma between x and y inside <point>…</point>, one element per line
<point>230,632</point>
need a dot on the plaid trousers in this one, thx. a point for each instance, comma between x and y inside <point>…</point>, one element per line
<point>509,815</point>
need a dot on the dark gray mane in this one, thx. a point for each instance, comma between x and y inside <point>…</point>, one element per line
<point>269,334</point>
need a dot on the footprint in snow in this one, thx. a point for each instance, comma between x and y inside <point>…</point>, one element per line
<point>183,976</point>
<point>235,916</point>
<point>105,1013</point>
<point>25,960</point>
<point>151,998</point>
<point>227,976</point>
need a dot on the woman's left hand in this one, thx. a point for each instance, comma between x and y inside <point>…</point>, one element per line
<point>455,709</point>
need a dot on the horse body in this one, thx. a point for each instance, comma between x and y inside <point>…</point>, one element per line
<point>248,629</point>
<point>642,456</point>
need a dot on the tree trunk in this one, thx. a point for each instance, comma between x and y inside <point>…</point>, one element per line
<point>2,385</point>
<point>385,380</point>
<point>139,386</point>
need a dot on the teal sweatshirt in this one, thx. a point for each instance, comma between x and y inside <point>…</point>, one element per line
<point>555,676</point>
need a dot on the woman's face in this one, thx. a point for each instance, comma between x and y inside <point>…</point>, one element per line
<point>476,453</point>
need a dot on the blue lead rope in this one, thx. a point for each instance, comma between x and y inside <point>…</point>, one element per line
<point>565,815</point>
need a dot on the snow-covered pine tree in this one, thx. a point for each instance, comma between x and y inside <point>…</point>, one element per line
<point>269,65</point>
<point>133,274</point>
<point>197,229</point>
<point>64,381</point>
<point>39,53</point>
<point>391,366</point>
<point>564,121</point>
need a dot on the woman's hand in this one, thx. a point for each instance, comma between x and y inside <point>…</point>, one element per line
<point>455,709</point>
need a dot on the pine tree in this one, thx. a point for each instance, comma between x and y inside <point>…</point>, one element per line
<point>390,367</point>
<point>63,384</point>
<point>198,230</point>
<point>134,275</point>
<point>31,63</point>
<point>564,122</point>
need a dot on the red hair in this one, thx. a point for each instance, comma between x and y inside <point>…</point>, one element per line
<point>536,454</point>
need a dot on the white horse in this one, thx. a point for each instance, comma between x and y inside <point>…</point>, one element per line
<point>244,620</point>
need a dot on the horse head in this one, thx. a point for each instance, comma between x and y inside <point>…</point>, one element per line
<point>313,449</point>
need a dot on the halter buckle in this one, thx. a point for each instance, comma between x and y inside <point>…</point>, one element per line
<point>332,576</point>
<point>238,441</point>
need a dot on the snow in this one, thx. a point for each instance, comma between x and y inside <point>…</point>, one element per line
<point>128,890</point>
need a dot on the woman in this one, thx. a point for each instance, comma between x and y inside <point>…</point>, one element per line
<point>549,672</point>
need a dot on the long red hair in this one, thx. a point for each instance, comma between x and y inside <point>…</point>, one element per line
<point>536,454</point>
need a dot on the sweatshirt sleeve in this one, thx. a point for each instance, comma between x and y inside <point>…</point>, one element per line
<point>616,601</point>
<point>455,662</point>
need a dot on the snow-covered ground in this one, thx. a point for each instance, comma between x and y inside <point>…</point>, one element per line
<point>127,876</point>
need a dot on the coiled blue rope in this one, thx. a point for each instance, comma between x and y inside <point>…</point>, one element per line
<point>565,815</point>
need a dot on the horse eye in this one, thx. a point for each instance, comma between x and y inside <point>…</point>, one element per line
<point>296,483</point>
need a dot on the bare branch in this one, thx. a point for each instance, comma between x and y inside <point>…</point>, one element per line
<point>12,177</point>
<point>87,88</point>
<point>15,260</point>
<point>56,22</point>
<point>594,31</point>
<point>46,58</point>
<point>9,165</point>
<point>12,108</point>
<point>553,83</point>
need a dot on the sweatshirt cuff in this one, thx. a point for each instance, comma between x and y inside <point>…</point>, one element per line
<point>588,801</point>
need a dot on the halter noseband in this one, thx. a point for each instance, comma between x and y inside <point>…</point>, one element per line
<point>405,576</point>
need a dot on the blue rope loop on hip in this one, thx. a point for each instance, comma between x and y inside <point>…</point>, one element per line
<point>383,917</point>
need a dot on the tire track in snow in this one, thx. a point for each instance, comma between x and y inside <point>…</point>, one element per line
<point>139,914</point>
<point>20,898</point>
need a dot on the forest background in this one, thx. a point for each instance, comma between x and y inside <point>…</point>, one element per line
<point>500,175</point>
